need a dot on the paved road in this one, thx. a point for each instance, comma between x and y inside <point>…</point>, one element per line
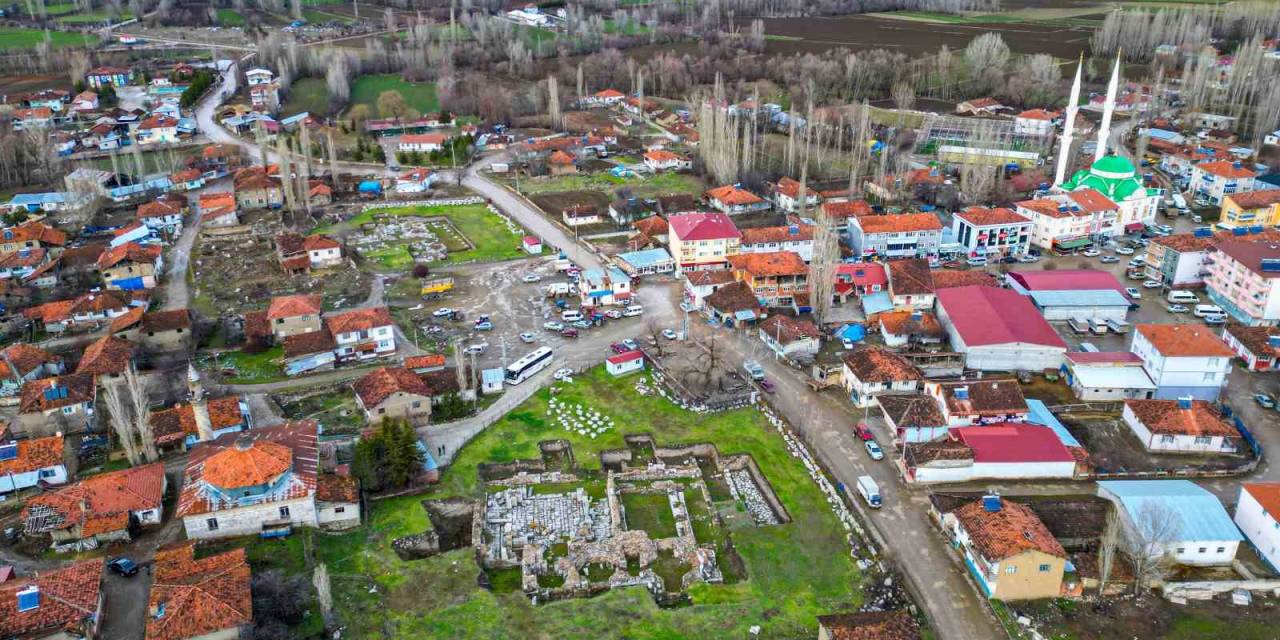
<point>525,213</point>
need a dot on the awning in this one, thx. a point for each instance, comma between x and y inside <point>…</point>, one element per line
<point>1074,243</point>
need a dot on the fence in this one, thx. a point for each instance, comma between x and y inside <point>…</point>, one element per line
<point>445,202</point>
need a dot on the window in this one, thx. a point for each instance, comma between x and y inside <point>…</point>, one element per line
<point>69,410</point>
<point>1011,570</point>
<point>1182,550</point>
<point>1222,549</point>
<point>1167,439</point>
<point>211,524</point>
<point>284,512</point>
<point>382,410</point>
<point>1044,568</point>
<point>417,404</point>
<point>1203,549</point>
<point>48,473</point>
<point>339,509</point>
<point>1204,440</point>
<point>1210,377</point>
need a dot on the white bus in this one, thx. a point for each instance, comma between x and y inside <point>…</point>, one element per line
<point>522,369</point>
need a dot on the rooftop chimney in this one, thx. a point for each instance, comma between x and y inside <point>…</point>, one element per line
<point>1185,402</point>
<point>991,502</point>
<point>29,599</point>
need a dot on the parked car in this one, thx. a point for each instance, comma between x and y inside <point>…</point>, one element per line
<point>527,337</point>
<point>630,344</point>
<point>1215,319</point>
<point>1135,275</point>
<point>1028,259</point>
<point>1109,260</point>
<point>951,264</point>
<point>669,334</point>
<point>531,277</point>
<point>553,326</point>
<point>1150,284</point>
<point>1265,400</point>
<point>569,332</point>
<point>442,312</point>
<point>767,386</point>
<point>873,450</point>
<point>1133,292</point>
<point>618,347</point>
<point>1124,251</point>
<point>483,325</point>
<point>863,431</point>
<point>976,262</point>
<point>123,567</point>
<point>1177,308</point>
<point>1197,218</point>
<point>1092,253</point>
<point>477,348</point>
<point>613,314</point>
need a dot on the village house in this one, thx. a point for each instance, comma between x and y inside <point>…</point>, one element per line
<point>21,363</point>
<point>912,418</point>
<point>157,331</point>
<point>840,212</point>
<point>20,264</point>
<point>1250,208</point>
<point>291,315</point>
<point>869,372</point>
<point>207,598</point>
<point>604,98</point>
<point>394,392</point>
<point>103,76</point>
<point>877,625</point>
<point>32,235</point>
<point>1191,526</point>
<point>646,262</point>
<point>157,129</point>
<point>621,364</point>
<point>796,238</point>
<point>775,278</point>
<point>561,162</point>
<point>1244,280</point>
<point>90,310</point>
<point>219,210</point>
<point>979,402</point>
<point>604,287</point>
<point>1008,550</point>
<point>415,181</point>
<point>107,358</point>
<point>63,404</point>
<point>789,337</point>
<point>911,284</point>
<point>101,509</point>
<point>859,279</point>
<point>131,266</point>
<point>1070,221</point>
<point>998,330</point>
<point>700,284</point>
<point>28,119</point>
<point>1034,122</point>
<point>258,482</point>
<point>1258,516</point>
<point>1107,376</point>
<point>85,102</point>
<point>183,425</point>
<point>255,188</point>
<point>1182,360</point>
<point>162,215</point>
<point>301,254</point>
<point>1258,347</point>
<point>55,604</point>
<point>733,305</point>
<point>188,179</point>
<point>663,160</point>
<point>701,241</point>
<point>421,142</point>
<point>1180,426</point>
<point>33,462</point>
<point>309,352</point>
<point>907,235</point>
<point>1217,179</point>
<point>362,334</point>
<point>580,214</point>
<point>986,106</point>
<point>992,233</point>
<point>786,196</point>
<point>734,200</point>
<point>912,327</point>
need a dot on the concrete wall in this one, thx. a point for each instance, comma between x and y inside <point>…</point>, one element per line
<point>245,521</point>
<point>1259,527</point>
<point>415,408</point>
<point>1028,581</point>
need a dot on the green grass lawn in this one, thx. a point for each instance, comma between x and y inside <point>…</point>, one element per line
<point>633,28</point>
<point>317,16</point>
<point>93,17</point>
<point>232,18</point>
<point>795,571</point>
<point>421,96</point>
<point>493,240</point>
<point>651,513</point>
<point>660,184</point>
<point>252,368</point>
<point>307,94</point>
<point>16,38</point>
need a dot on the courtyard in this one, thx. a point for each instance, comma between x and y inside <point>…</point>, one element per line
<point>395,238</point>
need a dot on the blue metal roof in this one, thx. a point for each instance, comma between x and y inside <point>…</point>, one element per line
<point>645,258</point>
<point>25,199</point>
<point>878,302</point>
<point>1083,298</point>
<point>492,375</point>
<point>1040,414</point>
<point>1199,512</point>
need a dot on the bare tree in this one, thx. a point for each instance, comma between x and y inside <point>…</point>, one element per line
<point>1151,529</point>
<point>140,404</point>
<point>1107,549</point>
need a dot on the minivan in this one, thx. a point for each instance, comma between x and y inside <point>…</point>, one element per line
<point>571,315</point>
<point>1202,310</point>
<point>633,310</point>
<point>1182,297</point>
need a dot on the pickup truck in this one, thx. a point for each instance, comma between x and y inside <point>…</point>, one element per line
<point>754,369</point>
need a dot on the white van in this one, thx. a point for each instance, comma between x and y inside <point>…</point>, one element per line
<point>1202,310</point>
<point>1180,203</point>
<point>633,310</point>
<point>571,315</point>
<point>870,491</point>
<point>1182,297</point>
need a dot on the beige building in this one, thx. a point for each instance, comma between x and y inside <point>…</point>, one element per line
<point>394,392</point>
<point>1009,552</point>
<point>158,332</point>
<point>293,315</point>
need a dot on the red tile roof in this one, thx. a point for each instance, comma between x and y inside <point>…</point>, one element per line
<point>294,306</point>
<point>730,195</point>
<point>1255,199</point>
<point>1226,169</point>
<point>1012,530</point>
<point>106,355</point>
<point>949,279</point>
<point>433,360</point>
<point>98,504</point>
<point>1014,442</point>
<point>69,601</point>
<point>786,329</point>
<point>198,597</point>
<point>849,209</point>
<point>33,232</point>
<point>358,320</point>
<point>982,216</point>
<point>174,424</point>
<point>1093,201</point>
<point>129,252</point>
<point>75,387</point>
<point>25,358</point>
<point>382,383</point>
<point>703,226</point>
<point>424,138</point>
<point>256,455</point>
<point>247,464</point>
<point>773,263</point>
<point>305,344</point>
<point>1251,255</point>
<point>904,323</point>
<point>877,364</point>
<point>899,222</point>
<point>910,277</point>
<point>1066,280</point>
<point>986,397</point>
<point>988,316</point>
<point>1267,494</point>
<point>34,453</point>
<point>1184,341</point>
<point>1257,340</point>
<point>331,487</point>
<point>160,208</point>
<point>1165,417</point>
<point>788,233</point>
<point>1038,114</point>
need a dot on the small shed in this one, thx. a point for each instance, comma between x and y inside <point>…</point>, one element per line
<point>532,245</point>
<point>491,381</point>
<point>624,363</point>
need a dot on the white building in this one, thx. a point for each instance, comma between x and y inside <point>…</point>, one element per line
<point>994,233</point>
<point>1034,122</point>
<point>624,363</point>
<point>789,337</point>
<point>27,463</point>
<point>362,334</point>
<point>1182,360</point>
<point>1174,518</point>
<point>1258,516</point>
<point>872,371</point>
<point>998,330</point>
<point>1108,376</point>
<point>796,238</point>
<point>1069,221</point>
<point>1180,426</point>
<point>905,235</point>
<point>1215,180</point>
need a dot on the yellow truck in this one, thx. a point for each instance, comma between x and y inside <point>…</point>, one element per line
<point>436,287</point>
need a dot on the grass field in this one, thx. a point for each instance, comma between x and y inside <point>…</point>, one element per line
<point>650,513</point>
<point>795,571</point>
<point>317,16</point>
<point>419,96</point>
<point>94,17</point>
<point>252,368</point>
<point>660,184</point>
<point>494,241</point>
<point>307,94</point>
<point>16,38</point>
<point>232,18</point>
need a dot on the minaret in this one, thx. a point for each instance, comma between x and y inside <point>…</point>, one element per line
<point>199,406</point>
<point>1108,109</point>
<point>1069,126</point>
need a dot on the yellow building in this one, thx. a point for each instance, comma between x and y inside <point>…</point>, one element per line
<point>1251,208</point>
<point>1008,550</point>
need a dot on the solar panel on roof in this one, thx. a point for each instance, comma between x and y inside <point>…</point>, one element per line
<point>1271,265</point>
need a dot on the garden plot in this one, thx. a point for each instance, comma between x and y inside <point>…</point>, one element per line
<point>335,409</point>
<point>234,275</point>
